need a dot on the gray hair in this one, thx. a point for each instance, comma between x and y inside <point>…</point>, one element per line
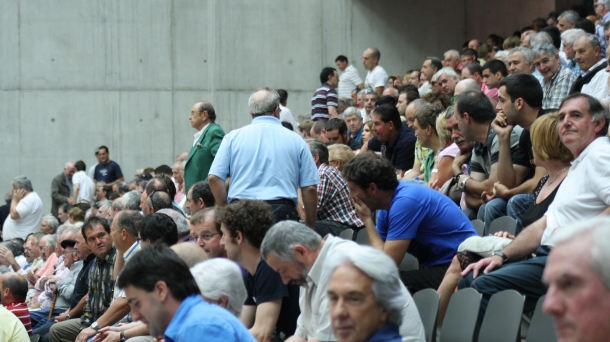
<point>117,205</point>
<point>570,36</point>
<point>51,221</point>
<point>69,229</point>
<point>341,102</point>
<point>571,16</point>
<point>539,38</point>
<point>528,55</point>
<point>545,49</point>
<point>606,3</point>
<point>284,236</point>
<point>446,71</point>
<point>263,103</point>
<point>221,277</point>
<point>352,111</point>
<point>179,220</point>
<point>319,148</point>
<point>107,204</point>
<point>377,265</point>
<point>593,40</point>
<point>51,241</point>
<point>131,200</point>
<point>597,228</point>
<point>502,56</point>
<point>454,53</point>
<point>22,182</point>
<point>60,230</point>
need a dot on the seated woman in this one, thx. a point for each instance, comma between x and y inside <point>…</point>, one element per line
<point>550,153</point>
<point>442,166</point>
<point>339,155</point>
<point>367,132</point>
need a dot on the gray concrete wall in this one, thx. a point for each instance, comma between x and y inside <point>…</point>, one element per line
<point>78,74</point>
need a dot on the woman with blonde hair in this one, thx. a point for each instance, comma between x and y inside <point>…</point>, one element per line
<point>339,155</point>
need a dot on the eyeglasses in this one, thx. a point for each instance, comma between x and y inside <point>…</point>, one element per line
<point>205,237</point>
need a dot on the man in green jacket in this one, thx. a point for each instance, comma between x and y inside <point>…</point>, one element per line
<point>206,142</point>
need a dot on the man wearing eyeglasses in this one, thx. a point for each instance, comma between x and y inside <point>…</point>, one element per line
<point>206,233</point>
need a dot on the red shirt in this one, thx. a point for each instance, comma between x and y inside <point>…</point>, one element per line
<point>20,309</point>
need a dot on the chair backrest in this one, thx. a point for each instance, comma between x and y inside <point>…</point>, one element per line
<point>461,317</point>
<point>409,263</point>
<point>363,237</point>
<point>35,338</point>
<point>427,304</point>
<point>502,319</point>
<point>504,223</point>
<point>479,226</point>
<point>347,234</point>
<point>541,328</point>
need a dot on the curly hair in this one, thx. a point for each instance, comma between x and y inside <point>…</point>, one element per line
<point>252,218</point>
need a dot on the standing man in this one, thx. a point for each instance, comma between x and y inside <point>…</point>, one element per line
<point>61,188</point>
<point>205,144</point>
<point>324,102</point>
<point>285,112</point>
<point>83,188</point>
<point>349,78</point>
<point>262,168</point>
<point>376,77</point>
<point>25,213</point>
<point>107,171</point>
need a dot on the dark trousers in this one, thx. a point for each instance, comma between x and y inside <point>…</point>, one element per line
<point>523,276</point>
<point>425,278</point>
<point>332,227</point>
<point>285,212</point>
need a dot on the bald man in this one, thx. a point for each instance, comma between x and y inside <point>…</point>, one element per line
<point>62,189</point>
<point>190,253</point>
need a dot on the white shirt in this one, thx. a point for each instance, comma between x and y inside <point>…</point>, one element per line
<point>286,115</point>
<point>424,89</point>
<point>91,172</point>
<point>376,78</point>
<point>86,187</point>
<point>314,320</point>
<point>585,192</point>
<point>348,81</point>
<point>598,87</point>
<point>30,213</point>
<point>198,134</point>
<point>365,117</point>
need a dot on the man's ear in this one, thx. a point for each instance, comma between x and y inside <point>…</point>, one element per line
<point>519,103</point>
<point>161,291</point>
<point>372,189</point>
<point>239,238</point>
<point>466,117</point>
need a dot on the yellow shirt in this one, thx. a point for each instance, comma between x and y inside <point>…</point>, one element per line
<point>11,328</point>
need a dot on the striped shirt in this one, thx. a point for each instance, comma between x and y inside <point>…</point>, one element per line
<point>20,309</point>
<point>101,288</point>
<point>334,203</point>
<point>323,97</point>
<point>348,81</point>
<point>558,87</point>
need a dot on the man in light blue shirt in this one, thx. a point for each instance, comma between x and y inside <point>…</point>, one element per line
<point>162,292</point>
<point>266,162</point>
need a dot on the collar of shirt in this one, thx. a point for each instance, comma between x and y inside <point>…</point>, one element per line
<point>315,273</point>
<point>479,148</point>
<point>266,119</point>
<point>545,82</point>
<point>605,18</point>
<point>108,258</point>
<point>388,333</point>
<point>592,145</point>
<point>198,134</point>
<point>594,66</point>
<point>130,250</point>
<point>180,316</point>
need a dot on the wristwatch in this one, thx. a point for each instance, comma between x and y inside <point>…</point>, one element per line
<point>122,337</point>
<point>68,315</point>
<point>94,326</point>
<point>463,183</point>
<point>501,255</point>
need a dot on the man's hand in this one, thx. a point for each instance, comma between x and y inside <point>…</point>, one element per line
<point>504,235</point>
<point>70,201</point>
<point>61,317</point>
<point>361,209</point>
<point>432,184</point>
<point>18,194</point>
<point>398,83</point>
<point>459,160</point>
<point>85,334</point>
<point>8,256</point>
<point>489,264</point>
<point>501,190</point>
<point>32,276</point>
<point>501,127</point>
<point>108,334</point>
<point>487,196</point>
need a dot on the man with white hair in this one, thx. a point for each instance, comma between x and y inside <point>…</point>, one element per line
<point>26,211</point>
<point>520,59</point>
<point>567,42</point>
<point>447,79</point>
<point>61,188</point>
<point>594,78</point>
<point>567,20</point>
<point>220,282</point>
<point>299,255</point>
<point>49,224</point>
<point>353,119</point>
<point>370,276</point>
<point>131,200</point>
<point>557,78</point>
<point>577,276</point>
<point>452,60</point>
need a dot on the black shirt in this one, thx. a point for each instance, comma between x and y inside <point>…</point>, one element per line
<point>354,144</point>
<point>525,141</point>
<point>81,286</point>
<point>266,285</point>
<point>401,153</point>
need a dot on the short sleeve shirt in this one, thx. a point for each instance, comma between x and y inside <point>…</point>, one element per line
<point>484,156</point>
<point>324,97</point>
<point>30,218</point>
<point>348,81</point>
<point>401,152</point>
<point>376,78</point>
<point>108,173</point>
<point>266,285</point>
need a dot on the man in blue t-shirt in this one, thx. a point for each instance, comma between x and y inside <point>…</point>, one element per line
<point>412,218</point>
<point>107,172</point>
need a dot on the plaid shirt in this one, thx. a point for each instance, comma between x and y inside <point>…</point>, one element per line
<point>572,65</point>
<point>558,88</point>
<point>334,203</point>
<point>101,288</point>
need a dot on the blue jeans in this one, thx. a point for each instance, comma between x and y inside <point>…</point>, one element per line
<point>517,206</point>
<point>41,324</point>
<point>490,211</point>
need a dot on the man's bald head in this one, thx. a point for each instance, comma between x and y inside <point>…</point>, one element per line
<point>466,85</point>
<point>16,285</point>
<point>69,169</point>
<point>190,253</point>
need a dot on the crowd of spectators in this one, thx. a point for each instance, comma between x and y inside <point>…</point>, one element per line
<point>239,240</point>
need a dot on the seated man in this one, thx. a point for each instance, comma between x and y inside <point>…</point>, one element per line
<point>421,153</point>
<point>270,305</point>
<point>318,131</point>
<point>335,210</point>
<point>581,256</point>
<point>157,227</point>
<point>353,119</point>
<point>199,197</point>
<point>206,233</point>
<point>411,218</point>
<point>557,80</point>
<point>594,77</point>
<point>395,141</point>
<point>336,132</point>
<point>220,282</point>
<point>494,72</point>
<point>14,289</point>
<point>11,329</point>
<point>360,273</point>
<point>584,193</point>
<point>447,79</point>
<point>298,254</point>
<point>162,292</point>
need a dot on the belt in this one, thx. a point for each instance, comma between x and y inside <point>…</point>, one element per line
<point>83,202</point>
<point>273,202</point>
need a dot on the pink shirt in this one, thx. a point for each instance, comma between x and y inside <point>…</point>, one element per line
<point>493,92</point>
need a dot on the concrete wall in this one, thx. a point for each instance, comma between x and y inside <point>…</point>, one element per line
<point>78,74</point>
